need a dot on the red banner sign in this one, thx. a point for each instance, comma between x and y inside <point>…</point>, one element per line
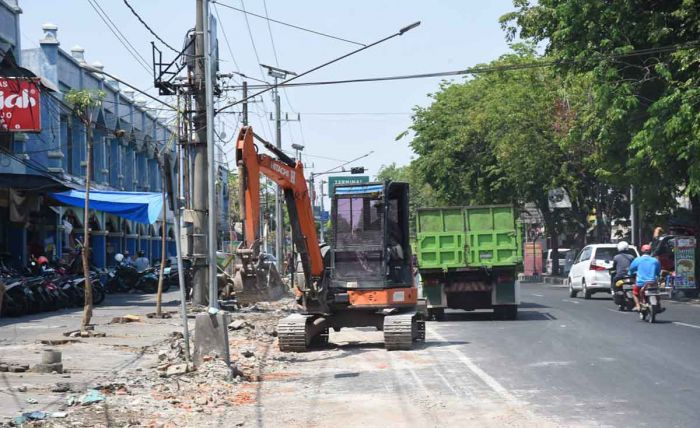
<point>20,103</point>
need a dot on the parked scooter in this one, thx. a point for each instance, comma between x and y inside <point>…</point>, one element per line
<point>125,278</point>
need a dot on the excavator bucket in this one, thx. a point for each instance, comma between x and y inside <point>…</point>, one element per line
<point>262,284</point>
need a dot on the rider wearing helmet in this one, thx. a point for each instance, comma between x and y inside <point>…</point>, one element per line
<point>621,263</point>
<point>647,269</point>
<point>142,263</point>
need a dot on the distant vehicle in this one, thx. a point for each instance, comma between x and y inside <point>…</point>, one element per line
<point>562,262</point>
<point>590,272</point>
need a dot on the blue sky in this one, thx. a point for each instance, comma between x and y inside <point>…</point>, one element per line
<point>337,123</point>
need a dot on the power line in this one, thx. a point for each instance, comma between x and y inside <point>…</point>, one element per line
<point>480,70</point>
<point>119,35</point>
<point>149,28</point>
<point>289,25</point>
<point>228,45</point>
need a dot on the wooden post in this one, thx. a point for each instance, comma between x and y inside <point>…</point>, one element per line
<point>87,309</point>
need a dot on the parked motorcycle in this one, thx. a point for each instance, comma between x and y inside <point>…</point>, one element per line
<point>125,278</point>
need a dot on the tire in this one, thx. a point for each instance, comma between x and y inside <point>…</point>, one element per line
<point>572,293</point>
<point>437,314</point>
<point>651,318</point>
<point>584,289</point>
<point>148,286</point>
<point>643,315</point>
<point>98,294</point>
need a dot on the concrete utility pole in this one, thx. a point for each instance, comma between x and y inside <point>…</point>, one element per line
<point>211,161</point>
<point>245,103</point>
<point>278,73</point>
<point>633,217</point>
<point>199,188</point>
<point>322,228</point>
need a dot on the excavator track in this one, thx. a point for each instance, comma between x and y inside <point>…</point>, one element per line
<point>292,333</point>
<point>401,330</point>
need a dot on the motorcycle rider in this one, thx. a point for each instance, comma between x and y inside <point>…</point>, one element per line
<point>647,269</point>
<point>621,263</point>
<point>142,263</point>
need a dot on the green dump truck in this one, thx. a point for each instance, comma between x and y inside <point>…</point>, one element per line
<point>468,259</point>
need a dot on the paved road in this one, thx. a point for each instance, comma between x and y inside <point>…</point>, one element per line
<point>584,362</point>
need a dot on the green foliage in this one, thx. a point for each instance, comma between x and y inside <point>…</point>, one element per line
<point>643,109</point>
<point>84,101</point>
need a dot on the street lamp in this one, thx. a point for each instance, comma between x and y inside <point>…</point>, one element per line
<point>298,148</point>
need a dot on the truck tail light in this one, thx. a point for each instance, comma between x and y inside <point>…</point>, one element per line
<point>505,277</point>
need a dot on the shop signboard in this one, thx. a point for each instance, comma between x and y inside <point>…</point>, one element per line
<point>685,262</point>
<point>20,105</point>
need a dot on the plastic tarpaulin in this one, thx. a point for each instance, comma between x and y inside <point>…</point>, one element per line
<point>143,207</point>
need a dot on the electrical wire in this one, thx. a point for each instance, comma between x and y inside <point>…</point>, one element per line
<point>268,19</point>
<point>150,30</point>
<point>122,39</point>
<point>478,70</point>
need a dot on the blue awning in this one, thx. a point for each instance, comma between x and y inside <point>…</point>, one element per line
<point>143,207</point>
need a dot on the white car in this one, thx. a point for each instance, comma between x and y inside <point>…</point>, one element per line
<point>590,272</point>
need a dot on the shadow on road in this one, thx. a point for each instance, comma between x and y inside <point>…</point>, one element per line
<point>112,301</point>
<point>489,316</point>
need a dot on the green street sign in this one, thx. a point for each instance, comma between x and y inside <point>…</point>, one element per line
<point>345,179</point>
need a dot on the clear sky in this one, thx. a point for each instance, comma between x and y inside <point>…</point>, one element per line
<point>339,122</point>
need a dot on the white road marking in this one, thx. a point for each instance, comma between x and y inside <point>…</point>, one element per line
<point>547,315</point>
<point>571,301</point>
<point>686,325</point>
<point>485,377</point>
<point>445,381</point>
<point>537,295</point>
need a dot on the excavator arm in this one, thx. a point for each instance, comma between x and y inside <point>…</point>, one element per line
<point>288,173</point>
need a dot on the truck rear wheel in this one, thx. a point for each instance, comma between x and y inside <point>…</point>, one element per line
<point>437,314</point>
<point>506,312</point>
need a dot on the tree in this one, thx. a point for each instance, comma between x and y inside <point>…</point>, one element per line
<point>642,58</point>
<point>84,104</point>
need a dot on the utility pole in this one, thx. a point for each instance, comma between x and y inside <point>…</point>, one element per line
<point>199,188</point>
<point>245,103</point>
<point>211,162</point>
<point>322,225</point>
<point>633,217</point>
<point>278,73</point>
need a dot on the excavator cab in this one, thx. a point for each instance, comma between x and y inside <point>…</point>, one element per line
<point>370,242</point>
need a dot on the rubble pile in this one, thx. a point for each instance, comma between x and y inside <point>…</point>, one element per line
<point>170,392</point>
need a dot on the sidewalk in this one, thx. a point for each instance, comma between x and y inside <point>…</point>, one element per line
<point>86,361</point>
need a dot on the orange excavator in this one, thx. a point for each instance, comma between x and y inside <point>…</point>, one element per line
<point>363,279</point>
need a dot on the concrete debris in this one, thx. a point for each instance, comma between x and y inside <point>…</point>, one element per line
<point>177,369</point>
<point>61,387</point>
<point>238,324</point>
<point>18,368</point>
<point>4,368</point>
<point>59,415</point>
<point>165,391</point>
<point>92,396</point>
<point>31,400</point>
<point>47,368</point>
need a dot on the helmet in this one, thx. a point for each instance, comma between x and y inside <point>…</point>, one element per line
<point>42,260</point>
<point>646,248</point>
<point>119,257</point>
<point>140,253</point>
<point>622,246</point>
